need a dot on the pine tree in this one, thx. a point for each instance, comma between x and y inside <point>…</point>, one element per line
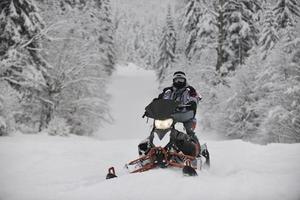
<point>269,35</point>
<point>21,62</point>
<point>106,36</point>
<point>204,35</point>
<point>192,14</point>
<point>20,28</point>
<point>286,11</point>
<point>207,30</point>
<point>241,33</point>
<point>227,26</point>
<point>219,6</point>
<point>288,35</point>
<point>264,106</point>
<point>281,122</point>
<point>167,48</point>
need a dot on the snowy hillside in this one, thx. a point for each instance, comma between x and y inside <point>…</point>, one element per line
<point>35,167</point>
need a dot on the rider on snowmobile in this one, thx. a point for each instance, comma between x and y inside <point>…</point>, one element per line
<point>182,92</point>
<point>188,99</point>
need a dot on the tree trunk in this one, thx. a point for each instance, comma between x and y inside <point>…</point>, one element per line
<point>221,36</point>
<point>47,111</point>
<point>46,116</point>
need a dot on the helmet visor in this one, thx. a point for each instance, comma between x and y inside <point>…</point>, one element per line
<point>179,80</point>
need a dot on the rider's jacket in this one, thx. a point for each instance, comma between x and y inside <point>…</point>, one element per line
<point>184,95</point>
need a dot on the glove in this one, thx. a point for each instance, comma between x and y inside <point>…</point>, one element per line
<point>193,106</point>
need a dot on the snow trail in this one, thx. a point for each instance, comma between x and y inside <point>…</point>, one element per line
<point>132,88</point>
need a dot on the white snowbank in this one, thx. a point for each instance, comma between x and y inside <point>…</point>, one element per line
<point>45,167</point>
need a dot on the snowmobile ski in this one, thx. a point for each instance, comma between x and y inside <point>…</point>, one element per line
<point>111,173</point>
<point>188,170</point>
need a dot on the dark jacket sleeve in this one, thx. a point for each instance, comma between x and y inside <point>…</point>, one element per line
<point>193,98</point>
<point>194,95</point>
<point>164,92</point>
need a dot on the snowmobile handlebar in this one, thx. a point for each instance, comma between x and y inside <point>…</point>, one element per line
<point>184,106</point>
<point>179,107</point>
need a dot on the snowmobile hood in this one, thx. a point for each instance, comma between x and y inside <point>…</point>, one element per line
<point>161,109</point>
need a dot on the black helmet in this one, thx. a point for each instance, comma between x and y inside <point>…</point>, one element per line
<point>179,79</point>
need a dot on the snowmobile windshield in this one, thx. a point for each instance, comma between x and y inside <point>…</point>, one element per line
<point>161,109</point>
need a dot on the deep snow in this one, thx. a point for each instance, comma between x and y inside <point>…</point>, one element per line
<point>42,167</point>
<point>131,90</point>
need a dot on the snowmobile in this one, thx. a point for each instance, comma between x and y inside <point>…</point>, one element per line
<point>164,151</point>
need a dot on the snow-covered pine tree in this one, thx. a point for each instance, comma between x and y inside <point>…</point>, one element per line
<point>219,7</point>
<point>227,26</point>
<point>138,31</point>
<point>21,62</point>
<point>203,36</point>
<point>264,106</point>
<point>280,84</point>
<point>269,35</point>
<point>106,35</point>
<point>167,48</point>
<point>286,12</point>
<point>20,31</point>
<point>207,31</point>
<point>191,18</point>
<point>78,78</point>
<point>290,37</point>
<point>241,34</point>
<point>80,4</point>
<point>237,117</point>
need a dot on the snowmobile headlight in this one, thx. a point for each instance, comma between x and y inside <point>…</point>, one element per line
<point>163,124</point>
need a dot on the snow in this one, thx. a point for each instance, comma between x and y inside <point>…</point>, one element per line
<point>2,121</point>
<point>12,10</point>
<point>35,167</point>
<point>132,89</point>
<point>45,167</point>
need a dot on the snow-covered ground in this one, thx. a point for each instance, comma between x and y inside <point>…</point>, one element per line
<point>42,167</point>
<point>131,90</point>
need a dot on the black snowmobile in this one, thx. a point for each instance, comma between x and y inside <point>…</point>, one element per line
<point>168,147</point>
